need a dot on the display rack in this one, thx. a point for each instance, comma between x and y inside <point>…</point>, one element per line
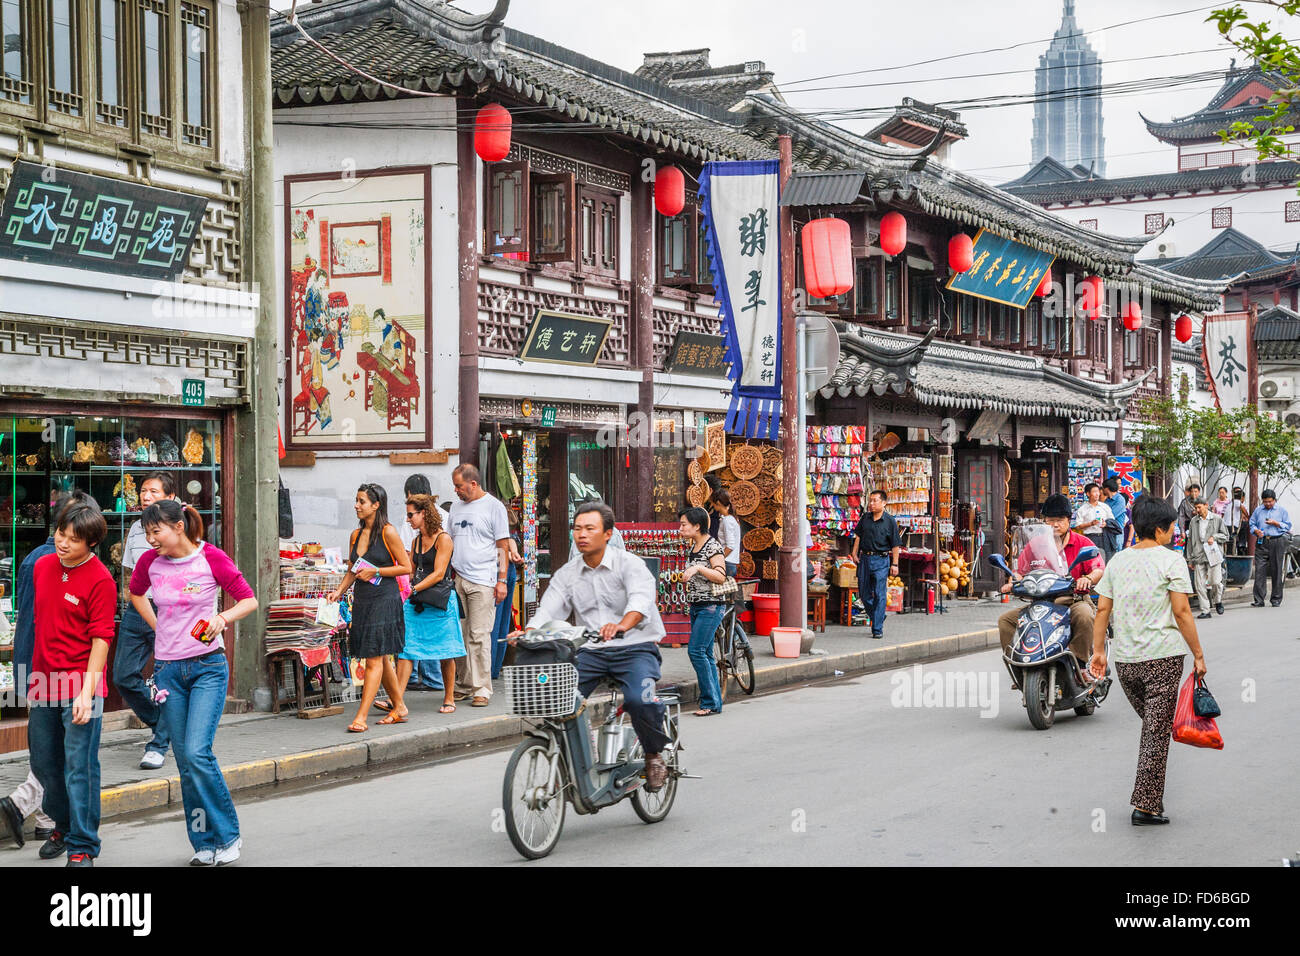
<point>663,544</point>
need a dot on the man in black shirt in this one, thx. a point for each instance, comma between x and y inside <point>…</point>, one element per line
<point>876,540</point>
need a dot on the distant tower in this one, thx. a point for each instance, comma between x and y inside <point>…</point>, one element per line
<point>1067,126</point>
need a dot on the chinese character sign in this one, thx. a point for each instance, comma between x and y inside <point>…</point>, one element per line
<point>739,201</point>
<point>1128,471</point>
<point>1225,354</point>
<point>1003,271</point>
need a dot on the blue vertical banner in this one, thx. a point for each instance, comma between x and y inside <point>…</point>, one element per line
<point>742,232</point>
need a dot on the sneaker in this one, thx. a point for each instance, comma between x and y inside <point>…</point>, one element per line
<point>152,760</point>
<point>1218,608</point>
<point>229,855</point>
<point>52,847</point>
<point>202,858</point>
<point>80,859</point>
<point>12,819</point>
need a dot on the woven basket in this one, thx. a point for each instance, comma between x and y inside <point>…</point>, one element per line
<point>746,568</point>
<point>744,497</point>
<point>746,461</point>
<point>697,494</point>
<point>769,570</point>
<point>757,539</point>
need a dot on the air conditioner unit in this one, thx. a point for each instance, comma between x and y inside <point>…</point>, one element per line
<point>1292,417</point>
<point>1166,250</point>
<point>1277,389</point>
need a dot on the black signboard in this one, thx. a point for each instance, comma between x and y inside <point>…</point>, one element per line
<point>62,218</point>
<point>564,338</point>
<point>697,354</point>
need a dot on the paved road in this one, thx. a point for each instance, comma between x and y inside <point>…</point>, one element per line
<point>837,774</point>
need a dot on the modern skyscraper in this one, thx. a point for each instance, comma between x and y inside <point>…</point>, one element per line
<point>1067,113</point>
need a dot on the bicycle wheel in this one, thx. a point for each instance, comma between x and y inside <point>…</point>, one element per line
<point>653,807</point>
<point>741,661</point>
<point>534,813</point>
<point>721,658</point>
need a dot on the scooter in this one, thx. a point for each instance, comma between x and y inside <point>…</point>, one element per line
<point>1040,661</point>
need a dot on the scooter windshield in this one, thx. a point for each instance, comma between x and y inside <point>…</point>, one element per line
<point>1039,552</point>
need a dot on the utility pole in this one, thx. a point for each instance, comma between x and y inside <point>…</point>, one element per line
<point>790,557</point>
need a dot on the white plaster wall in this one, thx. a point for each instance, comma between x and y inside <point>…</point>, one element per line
<point>230,86</point>
<point>323,495</point>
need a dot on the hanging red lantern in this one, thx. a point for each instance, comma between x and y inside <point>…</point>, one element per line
<point>1045,287</point>
<point>961,253</point>
<point>1091,297</point>
<point>1132,316</point>
<point>893,233</point>
<point>492,133</point>
<point>1183,328</point>
<point>670,191</point>
<point>827,258</point>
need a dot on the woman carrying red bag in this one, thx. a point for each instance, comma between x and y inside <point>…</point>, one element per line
<point>1145,589</point>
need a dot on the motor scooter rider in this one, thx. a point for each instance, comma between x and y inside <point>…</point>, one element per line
<point>610,590</point>
<point>1057,551</point>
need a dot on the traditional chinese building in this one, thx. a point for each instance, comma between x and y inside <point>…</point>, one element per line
<point>129,337</point>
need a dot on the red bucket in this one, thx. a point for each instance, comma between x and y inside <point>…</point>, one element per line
<point>767,613</point>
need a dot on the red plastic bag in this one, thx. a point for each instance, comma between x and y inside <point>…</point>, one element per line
<point>1190,729</point>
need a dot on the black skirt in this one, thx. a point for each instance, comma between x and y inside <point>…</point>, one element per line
<point>378,621</point>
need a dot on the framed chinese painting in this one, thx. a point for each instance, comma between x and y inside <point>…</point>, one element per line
<point>358,309</point>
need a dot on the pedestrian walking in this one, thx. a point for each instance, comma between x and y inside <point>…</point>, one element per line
<point>876,543</point>
<point>425,675</point>
<point>480,533</point>
<point>1090,518</point>
<point>187,576</point>
<point>1221,501</point>
<point>705,567</point>
<point>1206,538</point>
<point>376,559</point>
<point>75,601</point>
<point>1236,519</point>
<point>134,639</point>
<point>1271,525</point>
<point>1118,503</point>
<point>504,621</point>
<point>432,631</point>
<point>1186,507</point>
<point>728,530</point>
<point>1144,596</point>
<point>25,800</point>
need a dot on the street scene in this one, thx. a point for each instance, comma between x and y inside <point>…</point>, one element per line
<point>782,440</point>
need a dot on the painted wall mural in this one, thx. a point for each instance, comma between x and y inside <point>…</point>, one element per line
<point>357,312</point>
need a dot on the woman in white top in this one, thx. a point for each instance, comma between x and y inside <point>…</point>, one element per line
<point>728,530</point>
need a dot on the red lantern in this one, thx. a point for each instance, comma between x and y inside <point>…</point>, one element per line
<point>1045,287</point>
<point>1183,328</point>
<point>827,258</point>
<point>492,133</point>
<point>961,253</point>
<point>1091,297</point>
<point>1132,316</point>
<point>893,233</point>
<point>670,191</point>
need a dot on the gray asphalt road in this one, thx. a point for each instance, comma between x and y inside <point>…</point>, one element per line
<point>842,774</point>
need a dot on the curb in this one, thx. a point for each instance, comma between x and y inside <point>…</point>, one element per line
<point>151,794</point>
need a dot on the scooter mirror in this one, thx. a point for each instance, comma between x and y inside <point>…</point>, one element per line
<point>1001,563</point>
<point>1085,554</point>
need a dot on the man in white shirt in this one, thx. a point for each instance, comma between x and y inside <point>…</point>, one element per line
<point>611,590</point>
<point>480,535</point>
<point>1090,517</point>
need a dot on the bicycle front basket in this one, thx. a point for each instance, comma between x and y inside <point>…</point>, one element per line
<point>541,690</point>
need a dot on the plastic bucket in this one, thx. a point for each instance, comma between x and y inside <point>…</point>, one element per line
<point>786,641</point>
<point>767,613</point>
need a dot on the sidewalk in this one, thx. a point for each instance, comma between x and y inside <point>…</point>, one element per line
<point>259,749</point>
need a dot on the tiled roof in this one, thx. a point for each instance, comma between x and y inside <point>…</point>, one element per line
<point>1228,254</point>
<point>1207,123</point>
<point>838,187</point>
<point>953,375</point>
<point>1189,180</point>
<point>422,47</point>
<point>1277,334</point>
<point>1046,170</point>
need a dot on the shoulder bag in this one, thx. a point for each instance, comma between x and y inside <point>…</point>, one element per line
<point>726,590</point>
<point>437,595</point>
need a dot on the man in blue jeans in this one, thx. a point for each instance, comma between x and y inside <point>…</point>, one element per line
<point>876,543</point>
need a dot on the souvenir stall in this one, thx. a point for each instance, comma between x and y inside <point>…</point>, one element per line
<point>1080,472</point>
<point>751,475</point>
<point>664,551</point>
<point>306,635</point>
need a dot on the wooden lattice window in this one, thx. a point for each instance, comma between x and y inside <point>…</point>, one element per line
<point>63,56</point>
<point>553,218</point>
<point>1088,224</point>
<point>1155,221</point>
<point>155,75</point>
<point>15,78</point>
<point>111,77</point>
<point>1221,217</point>
<point>679,249</point>
<point>507,209</point>
<point>598,233</point>
<point>196,83</point>
<point>1293,211</point>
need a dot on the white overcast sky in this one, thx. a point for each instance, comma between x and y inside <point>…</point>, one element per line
<point>813,38</point>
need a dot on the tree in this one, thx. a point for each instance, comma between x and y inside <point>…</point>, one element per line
<point>1271,49</point>
<point>1163,443</point>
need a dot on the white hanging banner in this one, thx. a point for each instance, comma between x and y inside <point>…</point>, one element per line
<point>1225,353</point>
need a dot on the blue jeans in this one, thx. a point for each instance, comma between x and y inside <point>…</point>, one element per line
<point>65,759</point>
<point>502,627</point>
<point>873,579</point>
<point>427,674</point>
<point>705,619</point>
<point>636,668</point>
<point>196,696</point>
<point>134,649</point>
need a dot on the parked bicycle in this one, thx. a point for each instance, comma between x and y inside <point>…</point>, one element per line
<point>733,653</point>
<point>562,761</point>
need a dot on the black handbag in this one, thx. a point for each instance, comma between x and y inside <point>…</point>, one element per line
<point>1203,702</point>
<point>436,596</point>
<point>286,512</point>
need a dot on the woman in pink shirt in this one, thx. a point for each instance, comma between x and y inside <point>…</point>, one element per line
<point>187,576</point>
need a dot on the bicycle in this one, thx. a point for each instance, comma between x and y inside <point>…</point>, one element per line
<point>555,764</point>
<point>733,654</point>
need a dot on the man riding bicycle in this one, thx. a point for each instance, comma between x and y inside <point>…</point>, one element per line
<point>611,590</point>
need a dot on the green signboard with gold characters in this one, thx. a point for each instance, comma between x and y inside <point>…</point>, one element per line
<point>1004,270</point>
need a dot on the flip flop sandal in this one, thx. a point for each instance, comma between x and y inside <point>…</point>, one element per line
<point>479,702</point>
<point>447,709</point>
<point>356,727</point>
<point>393,719</point>
<point>383,705</point>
